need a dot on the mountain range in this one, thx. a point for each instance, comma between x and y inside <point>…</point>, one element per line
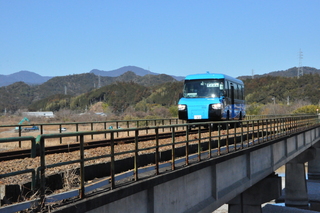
<point>25,76</point>
<point>32,78</point>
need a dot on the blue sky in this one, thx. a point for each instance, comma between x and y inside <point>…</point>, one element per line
<point>63,37</point>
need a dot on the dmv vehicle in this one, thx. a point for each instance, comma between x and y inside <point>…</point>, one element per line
<point>211,97</point>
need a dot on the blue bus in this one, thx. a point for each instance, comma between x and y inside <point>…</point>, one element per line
<point>211,97</point>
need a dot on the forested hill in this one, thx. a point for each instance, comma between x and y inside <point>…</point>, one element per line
<point>121,96</point>
<point>117,97</point>
<point>21,95</point>
<point>136,93</point>
<point>262,90</point>
<point>292,72</point>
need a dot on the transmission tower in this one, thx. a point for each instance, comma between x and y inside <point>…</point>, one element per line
<point>300,68</point>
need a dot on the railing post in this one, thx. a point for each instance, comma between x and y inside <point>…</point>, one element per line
<point>77,130</point>
<point>241,134</point>
<point>187,145</point>
<point>210,140</point>
<point>112,169</point>
<point>219,139</point>
<point>82,192</point>
<point>274,127</point>
<point>91,130</point>
<point>235,136</point>
<point>248,124</point>
<point>173,150</point>
<point>147,124</point>
<point>162,125</point>
<point>262,132</point>
<point>227,141</point>
<point>136,152</point>
<point>105,128</point>
<point>117,127</point>
<point>258,134</point>
<point>42,174</point>
<point>19,136</point>
<point>199,143</point>
<point>157,150</point>
<point>128,133</point>
<point>60,127</point>
<point>33,148</point>
<point>253,132</point>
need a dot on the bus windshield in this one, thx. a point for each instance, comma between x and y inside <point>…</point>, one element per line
<point>206,88</point>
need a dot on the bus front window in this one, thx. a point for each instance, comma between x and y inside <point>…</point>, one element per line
<point>206,88</point>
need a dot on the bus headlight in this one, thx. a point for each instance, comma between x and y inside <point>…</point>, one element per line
<point>216,106</point>
<point>181,107</point>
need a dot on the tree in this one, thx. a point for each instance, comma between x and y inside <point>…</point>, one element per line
<point>309,109</point>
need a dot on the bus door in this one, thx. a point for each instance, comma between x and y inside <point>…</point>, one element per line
<point>232,101</point>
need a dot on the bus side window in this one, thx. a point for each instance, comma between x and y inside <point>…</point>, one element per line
<point>238,91</point>
<point>227,89</point>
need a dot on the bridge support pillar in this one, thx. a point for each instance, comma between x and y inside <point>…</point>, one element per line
<point>295,179</point>
<point>250,200</point>
<point>314,165</point>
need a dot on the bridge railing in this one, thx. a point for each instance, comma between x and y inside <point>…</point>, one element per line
<point>185,147</point>
<point>45,128</point>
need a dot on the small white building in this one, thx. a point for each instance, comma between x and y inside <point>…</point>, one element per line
<point>47,114</point>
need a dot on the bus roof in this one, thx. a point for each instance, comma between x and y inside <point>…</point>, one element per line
<point>212,76</point>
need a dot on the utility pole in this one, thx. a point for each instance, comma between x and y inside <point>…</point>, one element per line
<point>300,68</point>
<point>252,74</point>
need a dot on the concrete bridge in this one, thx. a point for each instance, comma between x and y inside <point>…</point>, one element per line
<point>244,179</point>
<point>234,166</point>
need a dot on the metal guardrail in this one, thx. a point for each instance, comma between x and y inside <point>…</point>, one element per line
<point>235,136</point>
<point>96,125</point>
